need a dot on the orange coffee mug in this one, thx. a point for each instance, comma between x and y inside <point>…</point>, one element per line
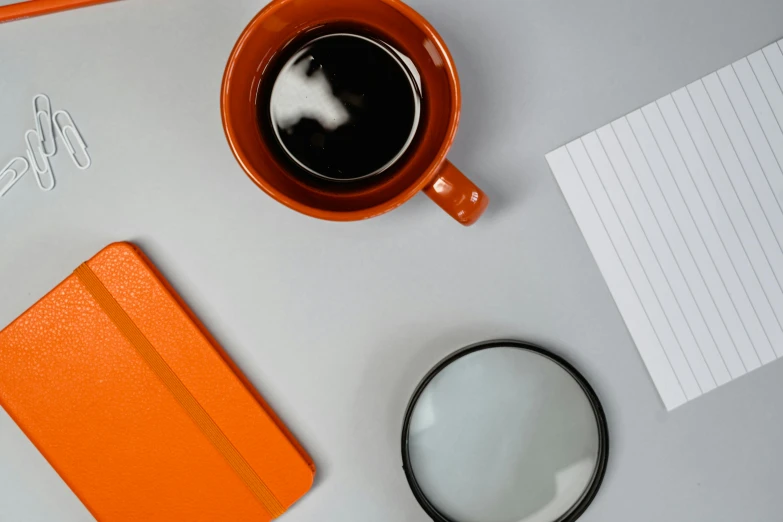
<point>423,167</point>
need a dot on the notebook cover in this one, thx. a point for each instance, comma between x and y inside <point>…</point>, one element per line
<point>138,409</point>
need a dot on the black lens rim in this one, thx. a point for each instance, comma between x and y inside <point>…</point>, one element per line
<point>590,492</point>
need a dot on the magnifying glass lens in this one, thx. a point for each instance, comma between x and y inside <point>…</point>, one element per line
<point>505,434</point>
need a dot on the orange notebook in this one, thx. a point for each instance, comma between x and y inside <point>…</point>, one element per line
<point>137,407</point>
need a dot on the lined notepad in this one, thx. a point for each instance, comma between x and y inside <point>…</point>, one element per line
<point>681,204</point>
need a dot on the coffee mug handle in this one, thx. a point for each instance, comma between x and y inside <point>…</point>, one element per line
<point>457,195</point>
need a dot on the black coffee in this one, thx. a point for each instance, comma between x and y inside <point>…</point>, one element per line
<point>343,107</point>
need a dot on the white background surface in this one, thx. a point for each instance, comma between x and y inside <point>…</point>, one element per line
<point>336,323</point>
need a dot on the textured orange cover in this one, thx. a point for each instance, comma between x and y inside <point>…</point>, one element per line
<point>114,431</point>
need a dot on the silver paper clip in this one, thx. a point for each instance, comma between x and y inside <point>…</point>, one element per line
<point>47,166</point>
<point>44,123</point>
<point>16,173</point>
<point>63,130</point>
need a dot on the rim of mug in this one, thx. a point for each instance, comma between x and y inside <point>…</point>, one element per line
<point>390,204</point>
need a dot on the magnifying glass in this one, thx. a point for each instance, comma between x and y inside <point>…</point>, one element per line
<point>504,431</point>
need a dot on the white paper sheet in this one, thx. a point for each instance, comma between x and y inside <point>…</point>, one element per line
<point>681,203</point>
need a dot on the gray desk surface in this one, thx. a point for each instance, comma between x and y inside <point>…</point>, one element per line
<point>336,323</point>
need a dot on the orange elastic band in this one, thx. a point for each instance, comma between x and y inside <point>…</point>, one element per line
<point>196,412</point>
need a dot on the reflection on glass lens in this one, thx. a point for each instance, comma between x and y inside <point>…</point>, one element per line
<point>503,435</point>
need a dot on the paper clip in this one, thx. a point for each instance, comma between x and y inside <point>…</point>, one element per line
<point>42,115</point>
<point>62,130</point>
<point>47,166</point>
<point>16,174</point>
